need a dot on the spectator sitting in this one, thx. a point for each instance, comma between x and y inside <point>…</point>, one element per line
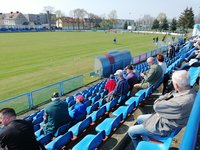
<point>171,51</point>
<point>191,63</point>
<point>172,111</point>
<point>195,53</point>
<point>131,77</point>
<point>152,76</point>
<point>16,134</point>
<point>79,110</point>
<point>121,89</point>
<point>110,84</point>
<point>160,59</point>
<point>55,115</point>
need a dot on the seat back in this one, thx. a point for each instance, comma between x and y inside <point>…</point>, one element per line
<point>113,102</point>
<point>44,139</point>
<point>149,91</point>
<point>130,108</point>
<point>141,97</point>
<point>38,120</point>
<point>87,103</point>
<point>84,124</point>
<point>62,129</point>
<point>94,107</point>
<point>101,112</point>
<point>97,140</point>
<point>117,121</point>
<point>36,127</point>
<point>63,140</point>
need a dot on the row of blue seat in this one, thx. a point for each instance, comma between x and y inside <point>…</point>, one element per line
<point>108,105</point>
<point>166,141</point>
<point>109,124</point>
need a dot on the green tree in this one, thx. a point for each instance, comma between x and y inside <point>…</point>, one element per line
<point>186,19</point>
<point>164,24</point>
<point>125,25</point>
<point>173,25</point>
<point>106,24</point>
<point>155,24</point>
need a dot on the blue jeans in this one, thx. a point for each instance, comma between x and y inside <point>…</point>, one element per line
<point>138,132</point>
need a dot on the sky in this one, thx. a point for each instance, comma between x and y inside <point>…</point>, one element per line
<point>126,9</point>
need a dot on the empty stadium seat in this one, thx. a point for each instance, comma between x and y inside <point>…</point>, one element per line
<point>109,124</point>
<point>38,120</point>
<point>132,100</point>
<point>61,130</point>
<point>97,114</point>
<point>44,139</point>
<point>60,141</point>
<point>80,126</point>
<point>90,142</point>
<point>92,108</point>
<point>111,104</point>
<point>125,110</point>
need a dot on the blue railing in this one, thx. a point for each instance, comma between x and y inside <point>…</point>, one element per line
<point>190,135</point>
<point>36,97</point>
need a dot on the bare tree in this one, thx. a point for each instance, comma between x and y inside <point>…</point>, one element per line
<point>113,17</point>
<point>59,14</point>
<point>49,10</point>
<point>79,14</point>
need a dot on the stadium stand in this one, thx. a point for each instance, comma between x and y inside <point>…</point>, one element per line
<point>105,125</point>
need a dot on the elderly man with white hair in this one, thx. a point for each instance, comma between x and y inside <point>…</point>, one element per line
<point>172,111</point>
<point>152,76</point>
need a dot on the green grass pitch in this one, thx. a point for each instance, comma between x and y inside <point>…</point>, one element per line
<point>33,60</point>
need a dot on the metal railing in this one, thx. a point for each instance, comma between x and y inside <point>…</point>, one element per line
<point>36,97</point>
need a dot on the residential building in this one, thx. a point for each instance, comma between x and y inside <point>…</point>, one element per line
<point>14,19</point>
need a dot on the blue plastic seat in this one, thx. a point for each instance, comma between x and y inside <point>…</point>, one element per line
<point>37,120</point>
<point>140,92</point>
<point>87,103</point>
<point>109,124</point>
<point>149,91</point>
<point>95,98</point>
<point>44,139</point>
<point>39,114</point>
<point>194,73</point>
<point>141,95</point>
<point>132,100</point>
<point>97,114</point>
<point>68,99</point>
<point>36,127</point>
<point>103,93</point>
<point>92,108</point>
<point>61,130</point>
<point>60,141</point>
<point>80,126</point>
<point>158,146</point>
<point>88,94</point>
<point>90,142</point>
<point>125,110</point>
<point>111,104</point>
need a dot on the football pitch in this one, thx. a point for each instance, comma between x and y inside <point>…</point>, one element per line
<point>33,60</point>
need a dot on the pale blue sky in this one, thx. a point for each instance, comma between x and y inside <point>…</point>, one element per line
<point>126,9</point>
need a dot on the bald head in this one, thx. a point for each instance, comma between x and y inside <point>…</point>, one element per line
<point>150,60</point>
<point>181,78</point>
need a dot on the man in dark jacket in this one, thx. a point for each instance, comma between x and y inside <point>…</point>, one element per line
<point>16,134</point>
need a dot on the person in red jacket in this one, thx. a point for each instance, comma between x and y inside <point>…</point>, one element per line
<point>110,84</point>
